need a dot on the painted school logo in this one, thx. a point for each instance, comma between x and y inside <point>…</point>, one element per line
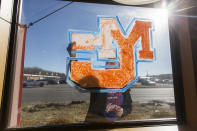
<point>106,60</point>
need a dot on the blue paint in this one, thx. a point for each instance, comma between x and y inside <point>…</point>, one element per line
<point>84,51</point>
<point>73,58</point>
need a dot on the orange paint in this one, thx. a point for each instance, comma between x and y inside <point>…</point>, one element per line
<point>87,42</point>
<point>115,78</point>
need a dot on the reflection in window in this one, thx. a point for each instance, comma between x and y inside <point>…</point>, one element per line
<point>48,96</point>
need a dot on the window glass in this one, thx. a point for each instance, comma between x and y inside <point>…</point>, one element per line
<point>94,63</point>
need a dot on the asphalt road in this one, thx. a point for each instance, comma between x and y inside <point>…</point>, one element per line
<point>65,93</point>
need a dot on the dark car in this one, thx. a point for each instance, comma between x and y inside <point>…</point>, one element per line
<point>52,81</point>
<point>62,81</point>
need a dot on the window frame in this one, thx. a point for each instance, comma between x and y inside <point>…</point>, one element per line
<point>8,85</point>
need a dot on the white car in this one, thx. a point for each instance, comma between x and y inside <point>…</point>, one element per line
<point>148,82</point>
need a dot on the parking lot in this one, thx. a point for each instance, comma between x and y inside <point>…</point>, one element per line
<point>65,93</point>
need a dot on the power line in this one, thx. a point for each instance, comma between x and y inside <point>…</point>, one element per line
<point>42,10</point>
<point>5,20</point>
<point>32,23</point>
<point>10,22</point>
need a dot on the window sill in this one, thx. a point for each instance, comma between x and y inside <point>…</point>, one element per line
<point>157,128</point>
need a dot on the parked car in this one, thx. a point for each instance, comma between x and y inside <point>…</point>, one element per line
<point>44,81</point>
<point>34,83</point>
<point>148,82</point>
<point>52,81</point>
<point>167,81</point>
<point>62,81</point>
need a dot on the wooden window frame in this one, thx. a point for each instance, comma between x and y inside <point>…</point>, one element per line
<point>8,85</point>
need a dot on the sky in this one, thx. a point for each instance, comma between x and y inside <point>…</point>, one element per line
<point>47,40</point>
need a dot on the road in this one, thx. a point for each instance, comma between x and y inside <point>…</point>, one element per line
<point>65,93</point>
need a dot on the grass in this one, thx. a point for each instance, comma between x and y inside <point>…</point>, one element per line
<point>34,114</point>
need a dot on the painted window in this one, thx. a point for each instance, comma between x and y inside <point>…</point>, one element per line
<point>93,63</point>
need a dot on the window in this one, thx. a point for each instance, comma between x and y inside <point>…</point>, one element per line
<point>46,98</point>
